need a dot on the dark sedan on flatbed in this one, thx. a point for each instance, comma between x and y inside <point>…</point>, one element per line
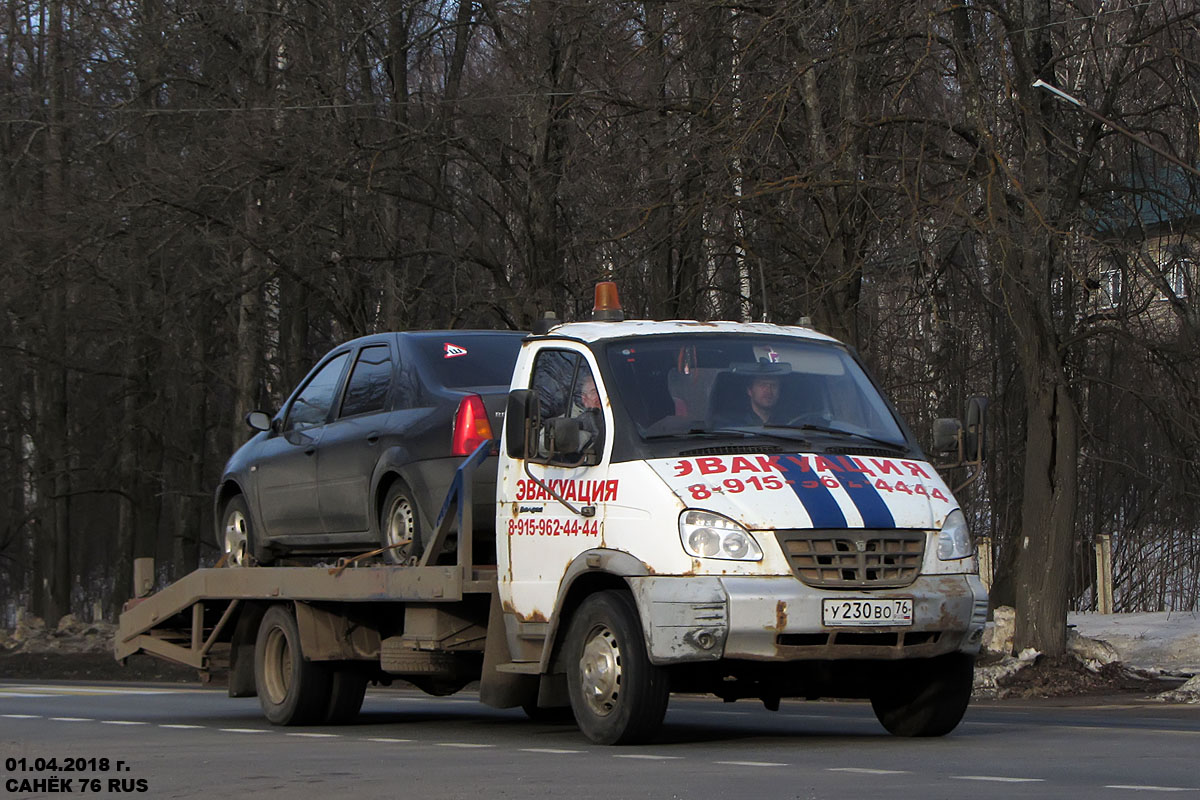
<point>364,450</point>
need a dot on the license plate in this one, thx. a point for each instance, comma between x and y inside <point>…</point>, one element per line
<point>867,613</point>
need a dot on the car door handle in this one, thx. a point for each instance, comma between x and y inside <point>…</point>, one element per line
<point>308,451</point>
<point>372,438</point>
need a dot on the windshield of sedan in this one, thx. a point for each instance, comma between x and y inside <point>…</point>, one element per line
<point>745,384</point>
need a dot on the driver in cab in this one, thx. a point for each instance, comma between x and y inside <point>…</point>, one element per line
<point>763,393</point>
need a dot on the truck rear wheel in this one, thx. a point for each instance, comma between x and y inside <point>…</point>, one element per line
<point>617,695</point>
<point>348,686</point>
<point>291,689</point>
<point>927,697</point>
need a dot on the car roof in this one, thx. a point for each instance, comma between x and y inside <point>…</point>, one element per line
<point>597,331</point>
<point>435,334</point>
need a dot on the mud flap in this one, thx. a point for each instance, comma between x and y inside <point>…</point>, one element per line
<point>502,689</point>
<point>241,651</point>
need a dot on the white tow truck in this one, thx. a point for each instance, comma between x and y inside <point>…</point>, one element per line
<point>715,507</point>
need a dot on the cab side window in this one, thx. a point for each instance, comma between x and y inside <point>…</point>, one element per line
<point>553,378</point>
<point>370,379</point>
<point>566,388</point>
<point>311,406</point>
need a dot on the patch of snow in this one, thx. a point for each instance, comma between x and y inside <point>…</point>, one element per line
<point>1159,641</point>
<point>988,678</point>
<point>1188,693</point>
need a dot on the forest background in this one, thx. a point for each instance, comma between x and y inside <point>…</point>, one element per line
<point>197,199</point>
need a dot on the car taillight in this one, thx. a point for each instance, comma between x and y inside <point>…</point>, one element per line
<point>471,425</point>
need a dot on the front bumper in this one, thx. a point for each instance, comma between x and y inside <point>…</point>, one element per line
<point>691,619</point>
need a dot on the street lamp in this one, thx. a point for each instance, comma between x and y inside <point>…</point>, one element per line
<point>1066,98</point>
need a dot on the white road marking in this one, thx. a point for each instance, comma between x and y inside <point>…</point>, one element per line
<point>867,771</point>
<point>21,716</point>
<point>466,745</point>
<point>121,722</point>
<point>316,735</point>
<point>1121,730</point>
<point>181,727</point>
<point>753,763</point>
<point>995,779</point>
<point>386,740</point>
<point>648,757</point>
<point>1136,788</point>
<point>23,694</point>
<point>86,690</point>
<point>242,730</point>
<point>550,750</point>
<point>72,719</point>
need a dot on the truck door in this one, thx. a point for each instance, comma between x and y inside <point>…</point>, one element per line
<point>552,507</point>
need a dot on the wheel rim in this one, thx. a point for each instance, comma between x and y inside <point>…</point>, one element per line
<point>236,537</point>
<point>600,671</point>
<point>277,666</point>
<point>400,529</point>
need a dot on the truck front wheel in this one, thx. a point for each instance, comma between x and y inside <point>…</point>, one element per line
<point>291,689</point>
<point>617,695</point>
<point>926,697</point>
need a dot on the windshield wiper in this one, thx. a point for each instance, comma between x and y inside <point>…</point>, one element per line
<point>808,426</point>
<point>748,432</point>
<point>698,431</point>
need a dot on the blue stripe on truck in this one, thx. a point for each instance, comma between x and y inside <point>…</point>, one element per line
<point>815,496</point>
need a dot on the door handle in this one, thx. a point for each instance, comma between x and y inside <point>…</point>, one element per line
<point>372,438</point>
<point>308,451</point>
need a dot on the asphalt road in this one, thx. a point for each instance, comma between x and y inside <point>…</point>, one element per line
<point>189,742</point>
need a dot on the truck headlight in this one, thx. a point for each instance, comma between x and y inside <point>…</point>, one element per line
<point>954,539</point>
<point>708,535</point>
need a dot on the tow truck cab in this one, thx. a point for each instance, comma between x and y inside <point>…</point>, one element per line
<point>744,498</point>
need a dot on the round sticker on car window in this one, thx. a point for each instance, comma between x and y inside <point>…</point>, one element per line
<point>453,350</point>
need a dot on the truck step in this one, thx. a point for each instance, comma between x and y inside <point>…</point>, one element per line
<point>520,668</point>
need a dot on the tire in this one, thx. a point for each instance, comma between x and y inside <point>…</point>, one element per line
<point>291,689</point>
<point>235,537</point>
<point>617,695</point>
<point>928,697</point>
<point>348,686</point>
<point>400,521</point>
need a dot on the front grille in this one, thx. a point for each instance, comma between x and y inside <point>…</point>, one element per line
<point>854,559</point>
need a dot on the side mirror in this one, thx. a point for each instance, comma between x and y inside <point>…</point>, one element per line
<point>946,434</point>
<point>566,436</point>
<point>259,421</point>
<point>521,417</point>
<point>975,441</point>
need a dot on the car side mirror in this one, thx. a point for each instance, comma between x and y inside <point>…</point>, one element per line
<point>522,417</point>
<point>946,434</point>
<point>259,421</point>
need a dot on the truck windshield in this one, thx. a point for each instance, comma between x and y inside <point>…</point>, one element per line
<point>747,385</point>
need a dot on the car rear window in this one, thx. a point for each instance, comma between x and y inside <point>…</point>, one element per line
<point>473,359</point>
